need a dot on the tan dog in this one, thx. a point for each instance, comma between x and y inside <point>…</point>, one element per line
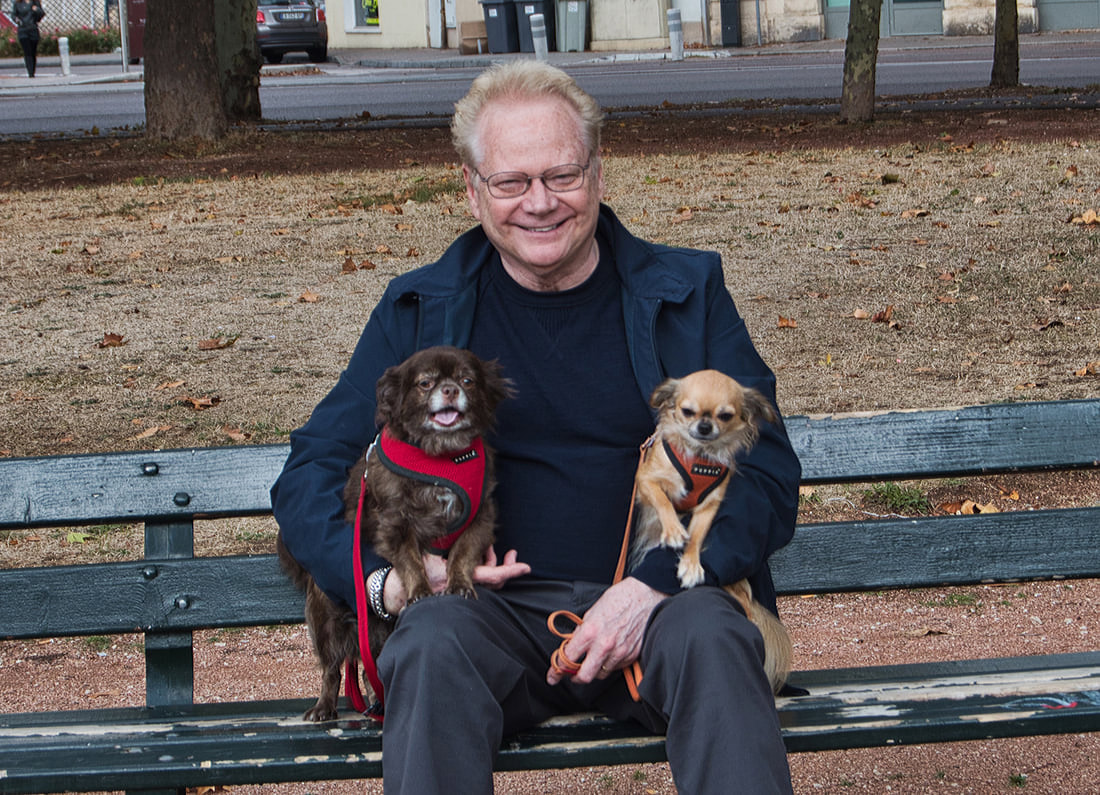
<point>433,408</point>
<point>704,420</point>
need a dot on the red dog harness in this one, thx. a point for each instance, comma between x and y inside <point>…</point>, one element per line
<point>700,478</point>
<point>463,473</point>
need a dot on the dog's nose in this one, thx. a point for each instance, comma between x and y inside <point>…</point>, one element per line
<point>705,427</point>
<point>450,391</point>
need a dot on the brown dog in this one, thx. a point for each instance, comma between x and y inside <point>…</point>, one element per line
<point>704,420</point>
<point>433,409</point>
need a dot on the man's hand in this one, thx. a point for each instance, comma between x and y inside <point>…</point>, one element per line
<point>491,574</point>
<point>611,636</point>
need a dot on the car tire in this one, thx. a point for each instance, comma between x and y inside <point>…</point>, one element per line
<point>318,54</point>
<point>274,57</point>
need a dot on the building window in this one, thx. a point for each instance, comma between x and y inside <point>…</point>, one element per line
<point>366,13</point>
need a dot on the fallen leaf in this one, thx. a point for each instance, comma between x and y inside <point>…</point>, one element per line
<point>169,385</point>
<point>76,537</point>
<point>924,632</point>
<point>1092,368</point>
<point>309,297</point>
<point>1043,325</point>
<point>236,434</point>
<point>111,341</point>
<point>969,507</point>
<point>216,343</point>
<point>861,314</point>
<point>201,403</point>
<point>348,266</point>
<point>786,322</point>
<point>919,212</point>
<point>884,316</point>
<point>1087,218</point>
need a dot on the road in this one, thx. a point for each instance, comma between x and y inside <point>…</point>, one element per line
<point>638,81</point>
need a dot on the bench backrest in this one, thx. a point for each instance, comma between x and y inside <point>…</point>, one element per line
<point>170,593</point>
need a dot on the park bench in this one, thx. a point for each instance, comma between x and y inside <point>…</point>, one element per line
<point>171,742</point>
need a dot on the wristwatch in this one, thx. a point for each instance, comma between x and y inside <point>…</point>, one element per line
<point>376,584</point>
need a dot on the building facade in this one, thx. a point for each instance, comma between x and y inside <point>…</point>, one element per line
<point>642,24</point>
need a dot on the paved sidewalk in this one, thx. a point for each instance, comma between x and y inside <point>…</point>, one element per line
<point>109,68</point>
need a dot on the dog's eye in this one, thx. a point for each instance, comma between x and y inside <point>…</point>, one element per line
<point>689,413</point>
<point>726,416</point>
<point>467,382</point>
<point>425,383</point>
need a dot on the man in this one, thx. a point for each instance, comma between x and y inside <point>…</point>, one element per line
<point>586,320</point>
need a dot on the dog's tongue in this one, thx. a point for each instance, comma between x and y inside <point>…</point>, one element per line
<point>446,417</point>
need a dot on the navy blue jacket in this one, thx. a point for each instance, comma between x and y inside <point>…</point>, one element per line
<point>679,318</point>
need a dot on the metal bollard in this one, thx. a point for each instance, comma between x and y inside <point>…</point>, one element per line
<point>63,51</point>
<point>538,35</point>
<point>675,34</point>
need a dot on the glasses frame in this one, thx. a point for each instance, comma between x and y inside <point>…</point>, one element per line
<point>532,177</point>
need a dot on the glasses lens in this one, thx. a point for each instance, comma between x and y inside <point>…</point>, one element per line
<point>507,184</point>
<point>563,178</point>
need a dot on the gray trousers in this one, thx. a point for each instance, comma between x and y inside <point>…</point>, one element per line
<point>461,674</point>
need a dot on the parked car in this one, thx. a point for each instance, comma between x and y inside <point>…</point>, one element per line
<point>284,26</point>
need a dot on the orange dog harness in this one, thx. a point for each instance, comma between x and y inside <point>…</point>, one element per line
<point>700,478</point>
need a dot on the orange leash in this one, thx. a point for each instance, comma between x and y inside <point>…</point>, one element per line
<point>559,661</point>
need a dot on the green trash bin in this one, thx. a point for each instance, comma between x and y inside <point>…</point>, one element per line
<point>572,19</point>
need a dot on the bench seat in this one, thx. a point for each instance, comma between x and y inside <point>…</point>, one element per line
<point>167,595</point>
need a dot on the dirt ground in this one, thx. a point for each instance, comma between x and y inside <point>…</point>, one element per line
<point>170,296</point>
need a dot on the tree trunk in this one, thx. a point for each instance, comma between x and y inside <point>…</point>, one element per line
<point>239,59</point>
<point>182,91</point>
<point>1006,45</point>
<point>857,98</point>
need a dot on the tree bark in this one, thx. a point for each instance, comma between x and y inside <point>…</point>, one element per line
<point>857,99</point>
<point>1006,45</point>
<point>239,59</point>
<point>182,91</point>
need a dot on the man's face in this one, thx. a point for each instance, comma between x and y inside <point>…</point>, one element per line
<point>546,239</point>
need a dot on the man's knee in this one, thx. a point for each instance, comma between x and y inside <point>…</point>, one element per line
<point>708,618</point>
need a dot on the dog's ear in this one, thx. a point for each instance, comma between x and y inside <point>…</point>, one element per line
<point>388,396</point>
<point>664,396</point>
<point>494,384</point>
<point>755,408</point>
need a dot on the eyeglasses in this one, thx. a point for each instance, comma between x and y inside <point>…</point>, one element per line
<point>559,179</point>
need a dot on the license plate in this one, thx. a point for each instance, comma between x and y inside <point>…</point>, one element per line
<point>293,15</point>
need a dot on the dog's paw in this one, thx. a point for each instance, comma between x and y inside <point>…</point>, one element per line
<point>690,573</point>
<point>675,538</point>
<point>466,592</point>
<point>319,713</point>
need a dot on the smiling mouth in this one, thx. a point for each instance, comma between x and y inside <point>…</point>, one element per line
<point>550,228</point>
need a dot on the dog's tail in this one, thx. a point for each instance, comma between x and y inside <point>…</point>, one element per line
<point>291,567</point>
<point>778,650</point>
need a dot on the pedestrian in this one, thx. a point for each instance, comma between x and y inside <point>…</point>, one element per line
<point>585,319</point>
<point>27,15</point>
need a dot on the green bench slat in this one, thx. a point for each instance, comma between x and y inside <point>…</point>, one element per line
<point>902,445</point>
<point>180,594</point>
<point>114,487</point>
<point>132,487</point>
<point>942,550</point>
<point>266,742</point>
<point>189,594</point>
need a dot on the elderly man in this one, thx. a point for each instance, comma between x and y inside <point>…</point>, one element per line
<point>586,320</point>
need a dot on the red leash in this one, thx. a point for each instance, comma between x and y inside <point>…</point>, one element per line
<point>370,668</point>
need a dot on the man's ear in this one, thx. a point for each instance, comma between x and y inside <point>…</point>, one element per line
<point>473,199</point>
